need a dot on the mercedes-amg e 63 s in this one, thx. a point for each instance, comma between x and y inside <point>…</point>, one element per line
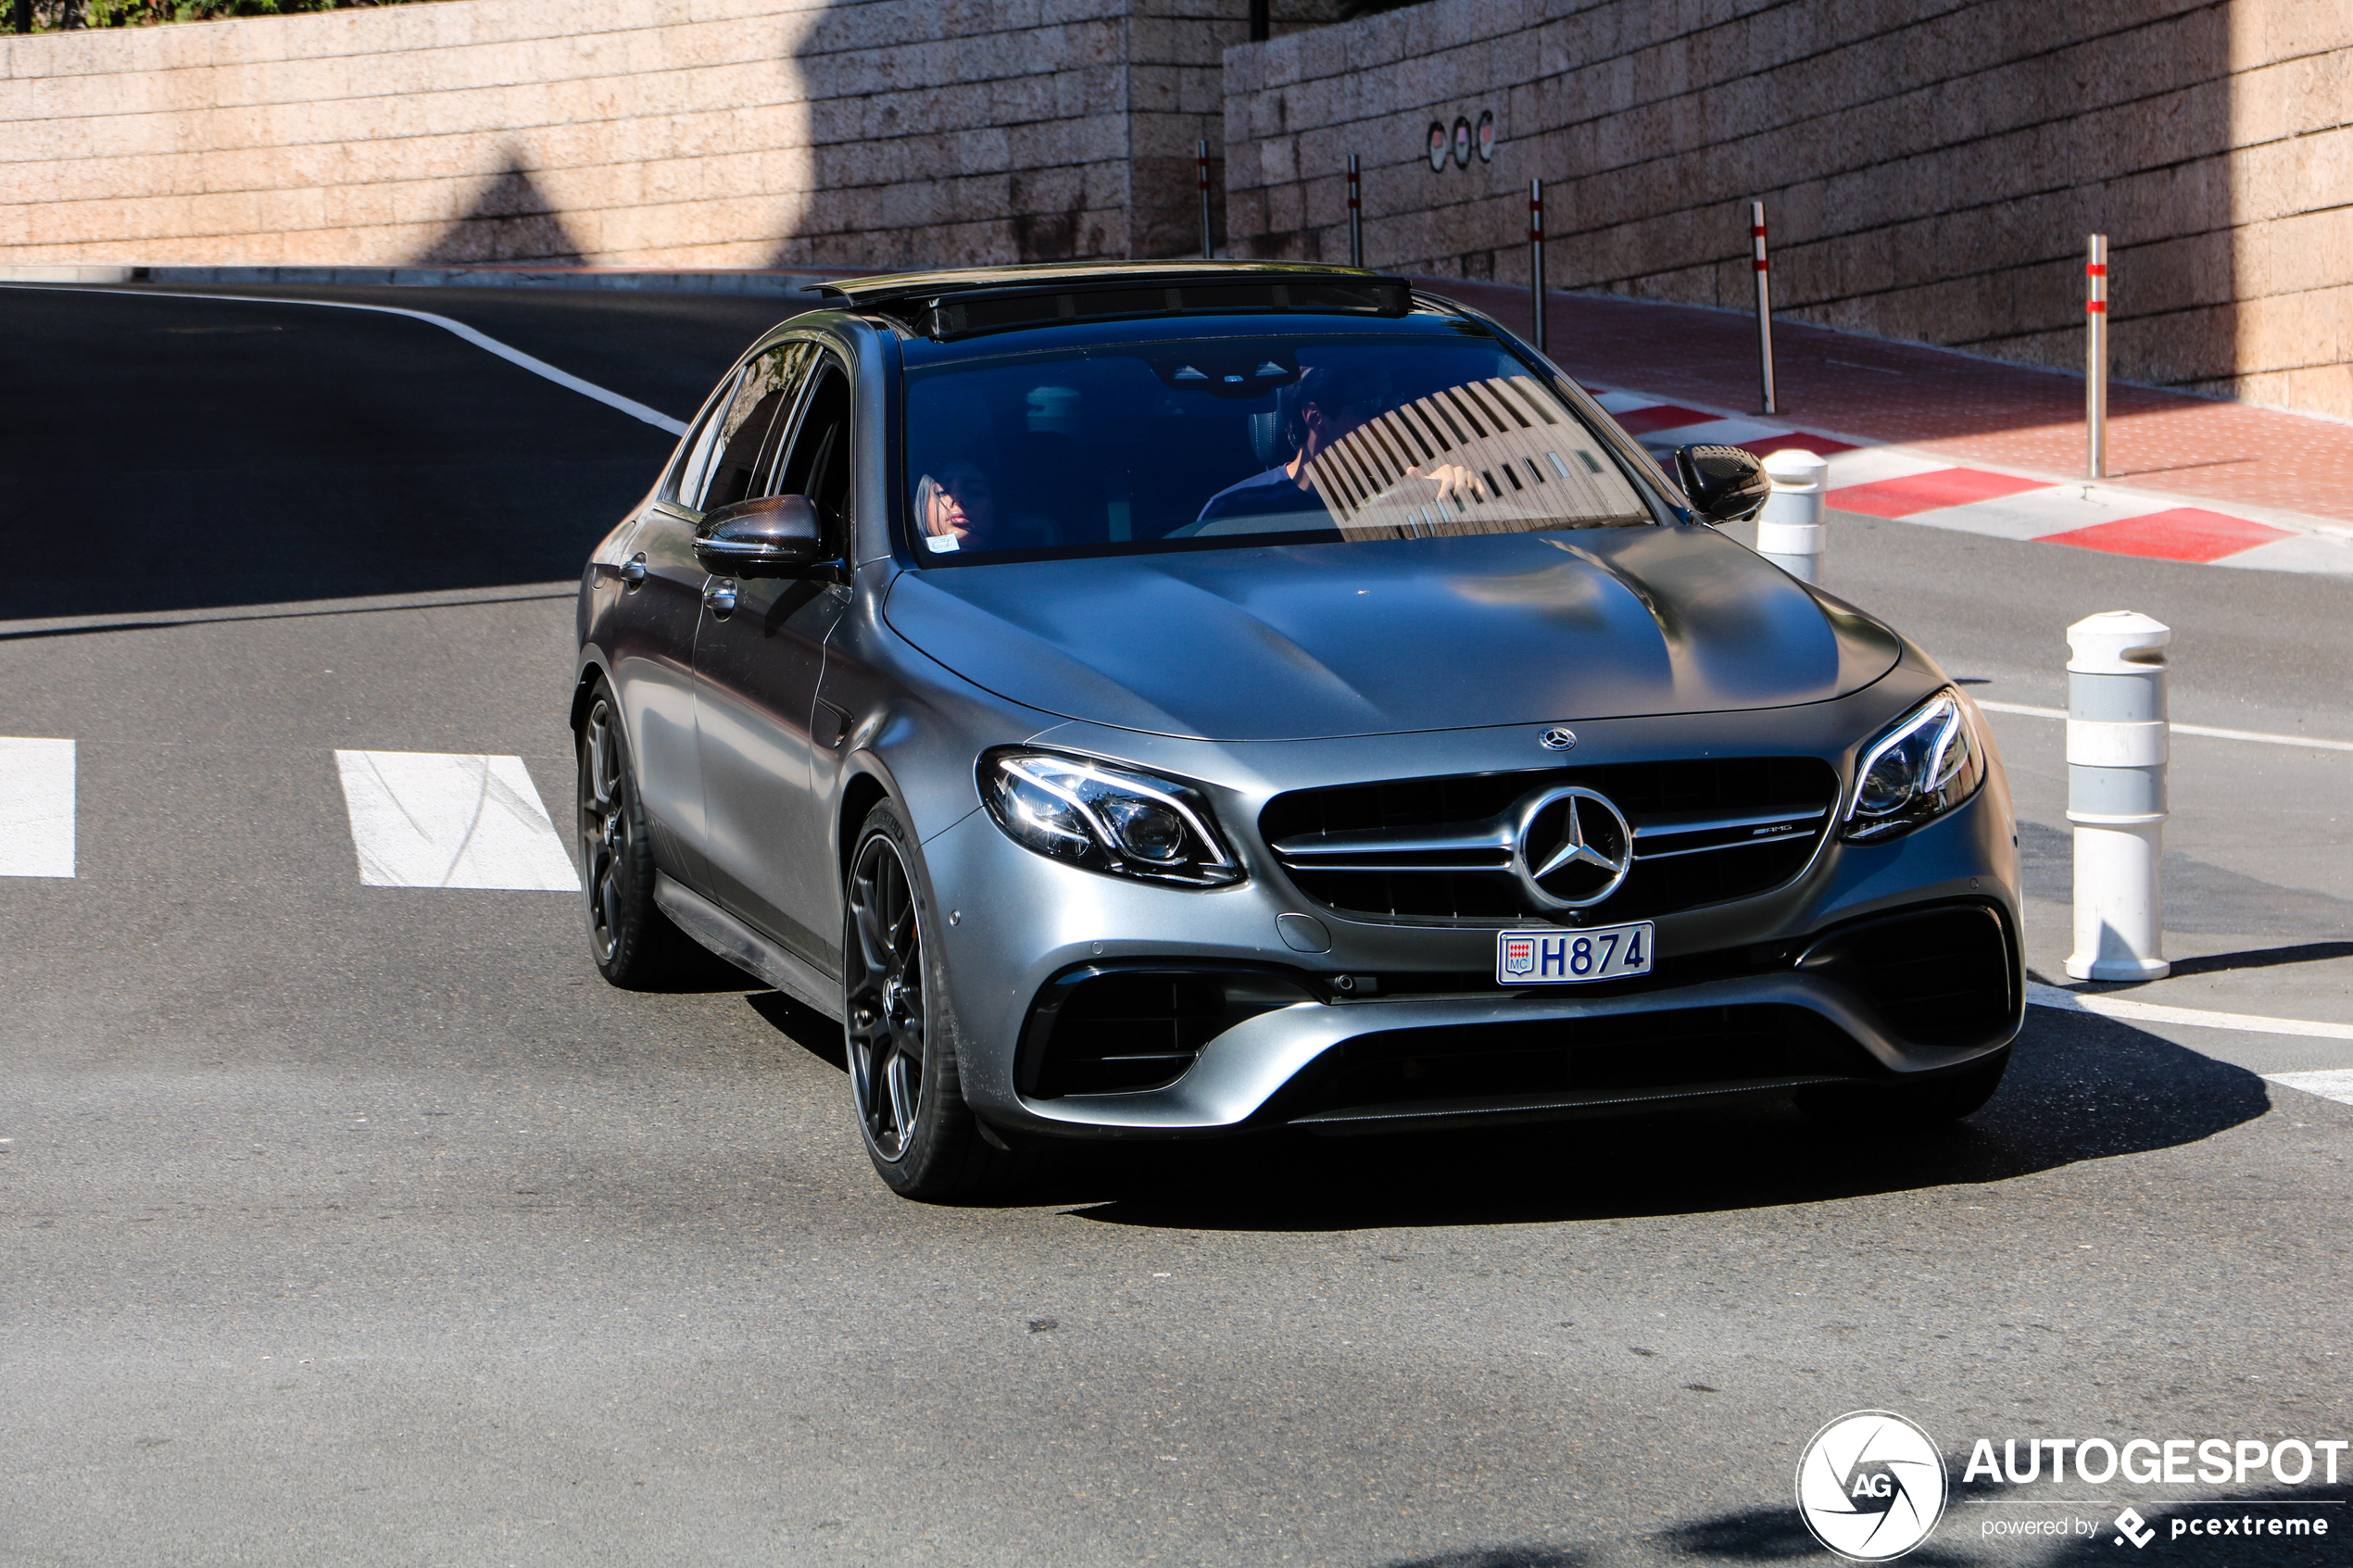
<point>1170,700</point>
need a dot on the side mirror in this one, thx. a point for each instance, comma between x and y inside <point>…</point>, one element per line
<point>1724,483</point>
<point>769,536</point>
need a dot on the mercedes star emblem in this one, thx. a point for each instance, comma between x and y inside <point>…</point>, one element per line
<point>1560,737</point>
<point>1573,848</point>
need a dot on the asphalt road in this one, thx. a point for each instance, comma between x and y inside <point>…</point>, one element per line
<point>366,1224</point>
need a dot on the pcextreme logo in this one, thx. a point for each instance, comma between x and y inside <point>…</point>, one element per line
<point>1870,1486</point>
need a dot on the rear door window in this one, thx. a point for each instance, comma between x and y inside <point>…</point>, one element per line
<point>685,485</point>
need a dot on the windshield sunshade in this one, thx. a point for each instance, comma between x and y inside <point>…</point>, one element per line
<point>1230,440</point>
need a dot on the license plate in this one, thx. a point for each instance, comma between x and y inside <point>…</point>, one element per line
<point>1565,958</point>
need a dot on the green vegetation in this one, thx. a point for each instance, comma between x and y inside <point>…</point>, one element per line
<point>59,16</point>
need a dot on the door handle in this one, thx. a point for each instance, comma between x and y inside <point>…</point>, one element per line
<point>633,571</point>
<point>719,597</point>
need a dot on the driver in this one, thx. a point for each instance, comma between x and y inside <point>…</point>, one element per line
<point>1313,413</point>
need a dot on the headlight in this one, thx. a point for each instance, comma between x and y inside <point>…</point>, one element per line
<point>1106,819</point>
<point>1928,763</point>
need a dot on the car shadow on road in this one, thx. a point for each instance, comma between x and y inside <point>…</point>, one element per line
<point>803,1026</point>
<point>1500,1557</point>
<point>2079,1087</point>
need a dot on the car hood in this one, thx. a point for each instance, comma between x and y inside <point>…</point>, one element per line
<point>1316,641</point>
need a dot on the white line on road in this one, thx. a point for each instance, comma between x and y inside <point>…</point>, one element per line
<point>483,341</point>
<point>36,807</point>
<point>2336,1082</point>
<point>429,819</point>
<point>2154,1012</point>
<point>2260,736</point>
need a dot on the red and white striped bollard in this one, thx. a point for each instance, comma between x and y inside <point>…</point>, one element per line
<point>1536,259</point>
<point>1764,304</point>
<point>1201,167</point>
<point>2095,359</point>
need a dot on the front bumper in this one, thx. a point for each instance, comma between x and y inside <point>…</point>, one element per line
<point>1753,996</point>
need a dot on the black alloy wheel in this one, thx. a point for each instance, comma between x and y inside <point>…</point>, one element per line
<point>885,983</point>
<point>632,941</point>
<point>902,1040</point>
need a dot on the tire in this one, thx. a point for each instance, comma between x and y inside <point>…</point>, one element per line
<point>1898,1108</point>
<point>632,942</point>
<point>901,1036</point>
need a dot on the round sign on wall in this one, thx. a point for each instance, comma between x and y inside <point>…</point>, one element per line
<point>1462,142</point>
<point>1487,137</point>
<point>1437,146</point>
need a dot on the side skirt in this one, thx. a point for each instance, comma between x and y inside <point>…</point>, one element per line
<point>744,947</point>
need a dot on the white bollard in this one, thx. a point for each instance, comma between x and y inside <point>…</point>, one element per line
<point>1789,531</point>
<point>2115,756</point>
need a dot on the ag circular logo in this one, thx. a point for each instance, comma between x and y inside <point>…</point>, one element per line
<point>1870,1486</point>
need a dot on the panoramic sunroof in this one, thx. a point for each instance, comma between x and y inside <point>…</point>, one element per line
<point>966,314</point>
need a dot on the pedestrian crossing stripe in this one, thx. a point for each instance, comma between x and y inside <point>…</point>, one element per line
<point>36,807</point>
<point>429,819</point>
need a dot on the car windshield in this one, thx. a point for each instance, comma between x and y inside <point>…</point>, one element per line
<point>1248,440</point>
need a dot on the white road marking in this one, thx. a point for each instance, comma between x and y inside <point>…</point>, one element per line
<point>2154,1012</point>
<point>1869,465</point>
<point>2302,552</point>
<point>36,807</point>
<point>482,341</point>
<point>429,819</point>
<point>2336,1084</point>
<point>1714,433</point>
<point>2260,736</point>
<point>2036,514</point>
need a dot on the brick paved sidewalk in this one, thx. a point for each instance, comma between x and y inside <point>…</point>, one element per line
<point>1955,406</point>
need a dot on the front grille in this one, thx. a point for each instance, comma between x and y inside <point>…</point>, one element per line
<point>1706,831</point>
<point>1633,1053</point>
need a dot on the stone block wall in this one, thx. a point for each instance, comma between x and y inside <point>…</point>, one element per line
<point>630,132</point>
<point>1931,168</point>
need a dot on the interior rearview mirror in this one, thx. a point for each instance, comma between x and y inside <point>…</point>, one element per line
<point>1724,483</point>
<point>768,536</point>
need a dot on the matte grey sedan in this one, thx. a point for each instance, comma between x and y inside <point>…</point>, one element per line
<point>1173,700</point>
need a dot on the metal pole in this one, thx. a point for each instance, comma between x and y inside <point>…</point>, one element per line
<point>1536,259</point>
<point>24,16</point>
<point>1201,167</point>
<point>2116,751</point>
<point>1261,21</point>
<point>1355,213</point>
<point>2095,359</point>
<point>1764,306</point>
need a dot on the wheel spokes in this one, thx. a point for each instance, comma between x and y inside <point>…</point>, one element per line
<point>884,996</point>
<point>900,1079</point>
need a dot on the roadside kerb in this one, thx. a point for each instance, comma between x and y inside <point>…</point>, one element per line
<point>480,340</point>
<point>778,280</point>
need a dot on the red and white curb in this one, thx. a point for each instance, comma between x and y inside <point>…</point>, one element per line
<point>1914,487</point>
